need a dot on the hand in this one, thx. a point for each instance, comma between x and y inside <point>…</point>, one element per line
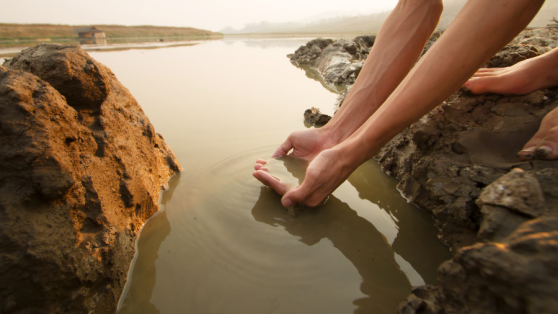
<point>306,144</point>
<point>324,174</point>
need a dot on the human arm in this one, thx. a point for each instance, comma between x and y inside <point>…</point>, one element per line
<point>480,30</point>
<point>397,47</point>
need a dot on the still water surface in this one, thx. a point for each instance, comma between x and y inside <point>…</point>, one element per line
<point>221,242</point>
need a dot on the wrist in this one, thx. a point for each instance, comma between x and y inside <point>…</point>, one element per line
<point>336,132</point>
<point>350,155</point>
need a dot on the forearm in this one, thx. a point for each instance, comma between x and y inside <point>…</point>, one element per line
<point>398,45</point>
<point>480,30</point>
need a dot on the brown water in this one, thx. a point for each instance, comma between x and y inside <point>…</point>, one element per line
<point>221,242</point>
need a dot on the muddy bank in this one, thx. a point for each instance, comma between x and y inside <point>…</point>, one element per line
<point>81,170</point>
<point>456,163</point>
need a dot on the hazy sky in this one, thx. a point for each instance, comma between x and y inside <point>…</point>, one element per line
<point>206,14</point>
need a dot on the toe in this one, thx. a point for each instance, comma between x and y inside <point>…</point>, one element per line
<point>479,85</point>
<point>548,147</point>
<point>487,72</point>
<point>527,153</point>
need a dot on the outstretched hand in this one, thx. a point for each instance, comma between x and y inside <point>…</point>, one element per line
<point>306,144</point>
<point>324,174</point>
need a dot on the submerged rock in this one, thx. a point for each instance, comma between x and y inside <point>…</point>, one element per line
<point>81,170</point>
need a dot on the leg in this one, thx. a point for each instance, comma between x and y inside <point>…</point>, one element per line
<point>544,145</point>
<point>522,78</point>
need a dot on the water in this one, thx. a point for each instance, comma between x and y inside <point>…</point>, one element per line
<point>221,242</point>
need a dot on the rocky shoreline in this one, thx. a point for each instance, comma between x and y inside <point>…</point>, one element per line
<point>498,215</point>
<point>81,170</point>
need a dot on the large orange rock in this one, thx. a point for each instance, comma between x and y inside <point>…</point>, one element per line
<point>81,170</point>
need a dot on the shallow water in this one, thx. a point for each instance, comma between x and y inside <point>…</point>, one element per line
<point>221,242</point>
<point>288,169</point>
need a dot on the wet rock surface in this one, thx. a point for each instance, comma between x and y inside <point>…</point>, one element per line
<point>498,215</point>
<point>313,116</point>
<point>446,159</point>
<point>81,170</point>
<point>338,62</point>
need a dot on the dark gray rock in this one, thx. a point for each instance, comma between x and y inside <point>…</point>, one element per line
<point>336,62</point>
<point>313,116</point>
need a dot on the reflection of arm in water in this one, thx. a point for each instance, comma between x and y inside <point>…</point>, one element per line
<point>477,33</point>
<point>355,237</point>
<point>414,241</point>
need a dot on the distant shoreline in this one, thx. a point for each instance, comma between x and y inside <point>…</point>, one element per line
<point>51,32</point>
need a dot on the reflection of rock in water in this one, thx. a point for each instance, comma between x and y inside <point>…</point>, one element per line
<point>359,241</point>
<point>142,278</point>
<point>93,41</point>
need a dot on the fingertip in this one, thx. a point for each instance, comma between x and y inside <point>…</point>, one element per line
<point>271,181</point>
<point>287,203</point>
<point>284,148</point>
<point>278,153</point>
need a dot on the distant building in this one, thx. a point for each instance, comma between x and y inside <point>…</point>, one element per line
<point>90,35</point>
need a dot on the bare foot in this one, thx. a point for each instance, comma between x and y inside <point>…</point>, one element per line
<point>544,145</point>
<point>522,78</point>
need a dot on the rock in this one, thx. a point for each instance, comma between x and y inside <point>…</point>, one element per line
<point>335,62</point>
<point>498,222</point>
<point>516,275</point>
<point>548,33</point>
<point>81,170</point>
<point>518,191</point>
<point>82,80</point>
<point>512,54</point>
<point>313,116</point>
<point>447,158</point>
<point>306,55</point>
